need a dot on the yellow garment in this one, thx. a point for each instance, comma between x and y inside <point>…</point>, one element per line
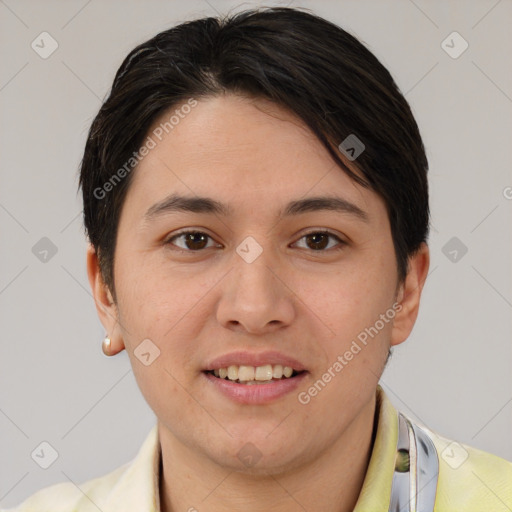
<point>469,480</point>
<point>480,483</point>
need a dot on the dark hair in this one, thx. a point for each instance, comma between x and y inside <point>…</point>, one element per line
<point>297,60</point>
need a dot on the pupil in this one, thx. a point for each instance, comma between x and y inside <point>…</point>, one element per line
<point>316,243</point>
<point>191,238</point>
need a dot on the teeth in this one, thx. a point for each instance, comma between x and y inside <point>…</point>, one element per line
<point>277,371</point>
<point>245,373</point>
<point>263,372</point>
<point>232,373</point>
<point>254,375</point>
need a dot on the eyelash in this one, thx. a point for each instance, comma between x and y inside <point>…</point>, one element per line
<point>341,242</point>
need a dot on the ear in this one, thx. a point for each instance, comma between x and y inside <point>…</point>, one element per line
<point>105,305</point>
<point>409,294</point>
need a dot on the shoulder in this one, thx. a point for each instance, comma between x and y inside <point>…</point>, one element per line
<point>471,480</point>
<point>132,486</point>
<point>66,496</point>
<point>468,479</point>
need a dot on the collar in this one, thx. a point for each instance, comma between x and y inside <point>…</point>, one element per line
<point>375,493</point>
<point>138,486</point>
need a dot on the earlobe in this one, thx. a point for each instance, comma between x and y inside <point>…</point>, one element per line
<point>105,305</point>
<point>409,295</point>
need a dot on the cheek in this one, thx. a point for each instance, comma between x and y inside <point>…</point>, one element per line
<point>156,293</point>
<point>347,301</point>
<point>164,306</point>
<point>350,305</point>
<point>171,316</point>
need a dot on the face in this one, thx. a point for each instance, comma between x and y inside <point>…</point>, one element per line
<point>269,280</point>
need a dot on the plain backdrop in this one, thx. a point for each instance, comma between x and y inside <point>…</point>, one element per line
<point>454,372</point>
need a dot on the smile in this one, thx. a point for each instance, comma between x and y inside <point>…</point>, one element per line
<point>255,378</point>
<point>251,375</point>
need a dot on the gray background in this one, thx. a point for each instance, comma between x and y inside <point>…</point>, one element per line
<point>453,374</point>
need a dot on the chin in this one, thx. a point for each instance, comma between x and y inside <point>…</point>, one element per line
<point>261,465</point>
<point>262,455</point>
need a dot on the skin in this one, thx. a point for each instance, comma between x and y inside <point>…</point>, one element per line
<point>311,305</point>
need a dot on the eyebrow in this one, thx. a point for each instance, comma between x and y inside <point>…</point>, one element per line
<point>177,203</point>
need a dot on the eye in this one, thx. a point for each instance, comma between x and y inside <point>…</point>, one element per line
<point>319,240</point>
<point>193,240</point>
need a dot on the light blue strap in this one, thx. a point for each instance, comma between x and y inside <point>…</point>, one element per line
<point>414,482</point>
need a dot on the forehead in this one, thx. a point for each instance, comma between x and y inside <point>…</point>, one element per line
<point>242,151</point>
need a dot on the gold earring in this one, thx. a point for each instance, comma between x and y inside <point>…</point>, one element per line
<point>105,345</point>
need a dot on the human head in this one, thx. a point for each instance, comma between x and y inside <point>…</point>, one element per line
<point>295,59</point>
<point>255,132</point>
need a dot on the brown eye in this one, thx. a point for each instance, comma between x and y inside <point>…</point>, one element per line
<point>319,240</point>
<point>192,240</point>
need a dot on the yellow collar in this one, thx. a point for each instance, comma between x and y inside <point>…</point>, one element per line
<point>376,491</point>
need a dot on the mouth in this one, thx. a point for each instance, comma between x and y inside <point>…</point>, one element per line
<point>256,385</point>
<point>255,375</point>
<point>256,378</point>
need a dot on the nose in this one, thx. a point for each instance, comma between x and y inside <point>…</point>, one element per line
<point>256,297</point>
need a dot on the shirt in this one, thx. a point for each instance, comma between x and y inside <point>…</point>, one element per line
<point>468,479</point>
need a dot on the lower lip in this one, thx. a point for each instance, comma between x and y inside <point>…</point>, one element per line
<point>256,393</point>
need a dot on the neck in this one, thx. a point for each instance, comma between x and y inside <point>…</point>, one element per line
<point>330,482</point>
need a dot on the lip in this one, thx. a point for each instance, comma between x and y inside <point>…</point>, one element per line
<point>257,394</point>
<point>244,358</point>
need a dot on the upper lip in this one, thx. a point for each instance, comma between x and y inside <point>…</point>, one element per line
<point>244,358</point>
